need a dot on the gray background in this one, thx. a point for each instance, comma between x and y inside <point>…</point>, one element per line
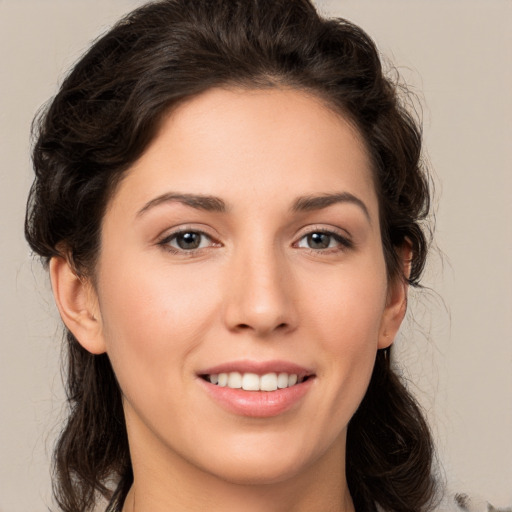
<point>457,358</point>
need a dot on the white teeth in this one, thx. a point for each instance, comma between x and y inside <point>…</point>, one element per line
<point>269,382</point>
<point>250,382</point>
<point>254,382</point>
<point>282,380</point>
<point>234,380</point>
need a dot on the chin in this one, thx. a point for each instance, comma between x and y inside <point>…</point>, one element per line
<point>271,460</point>
<point>257,472</point>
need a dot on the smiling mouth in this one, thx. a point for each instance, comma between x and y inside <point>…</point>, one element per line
<point>253,382</point>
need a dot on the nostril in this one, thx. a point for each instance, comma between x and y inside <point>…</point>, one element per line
<point>282,325</point>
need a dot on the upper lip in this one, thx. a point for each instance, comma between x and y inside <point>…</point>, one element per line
<point>258,367</point>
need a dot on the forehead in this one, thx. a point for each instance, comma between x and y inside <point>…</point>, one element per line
<point>244,144</point>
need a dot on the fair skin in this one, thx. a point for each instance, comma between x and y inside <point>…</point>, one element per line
<point>220,253</point>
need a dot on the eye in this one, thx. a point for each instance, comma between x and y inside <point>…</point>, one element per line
<point>185,241</point>
<point>321,240</point>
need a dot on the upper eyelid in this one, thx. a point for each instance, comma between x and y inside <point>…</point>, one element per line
<point>322,228</point>
<point>165,243</point>
<point>174,234</point>
<point>169,233</point>
<point>344,238</point>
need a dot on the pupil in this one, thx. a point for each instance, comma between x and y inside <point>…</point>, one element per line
<point>318,240</point>
<point>189,240</point>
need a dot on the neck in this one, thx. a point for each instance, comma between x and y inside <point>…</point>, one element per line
<point>180,488</point>
<point>165,481</point>
<point>253,498</point>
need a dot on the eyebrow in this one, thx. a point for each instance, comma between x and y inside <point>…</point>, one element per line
<point>198,201</point>
<point>215,204</point>
<point>309,203</point>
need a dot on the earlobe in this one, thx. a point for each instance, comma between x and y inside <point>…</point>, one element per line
<point>396,302</point>
<point>394,313</point>
<point>78,305</point>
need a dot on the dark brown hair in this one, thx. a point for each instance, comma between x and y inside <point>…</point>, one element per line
<point>103,118</point>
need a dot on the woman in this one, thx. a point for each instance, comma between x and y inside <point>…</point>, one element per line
<point>231,202</point>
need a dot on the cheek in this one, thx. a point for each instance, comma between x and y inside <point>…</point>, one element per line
<point>350,338</point>
<point>153,316</point>
<point>348,305</point>
<point>347,319</point>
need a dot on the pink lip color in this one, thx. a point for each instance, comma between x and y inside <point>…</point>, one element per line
<point>257,404</point>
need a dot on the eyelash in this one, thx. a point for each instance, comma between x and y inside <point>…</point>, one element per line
<point>343,243</point>
<point>166,241</point>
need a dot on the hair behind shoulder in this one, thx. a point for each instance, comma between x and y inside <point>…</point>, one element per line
<point>106,113</point>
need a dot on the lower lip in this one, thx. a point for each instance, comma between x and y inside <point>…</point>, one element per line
<point>257,404</point>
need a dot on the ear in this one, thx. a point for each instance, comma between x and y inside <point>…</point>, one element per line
<point>396,301</point>
<point>78,304</point>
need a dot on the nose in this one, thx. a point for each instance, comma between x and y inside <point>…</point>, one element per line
<point>259,293</point>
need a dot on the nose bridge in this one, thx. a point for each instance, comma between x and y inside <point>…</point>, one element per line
<point>259,296</point>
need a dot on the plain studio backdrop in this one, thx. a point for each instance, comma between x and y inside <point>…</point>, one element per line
<point>457,55</point>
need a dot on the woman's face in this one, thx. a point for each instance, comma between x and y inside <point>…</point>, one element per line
<point>244,246</point>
